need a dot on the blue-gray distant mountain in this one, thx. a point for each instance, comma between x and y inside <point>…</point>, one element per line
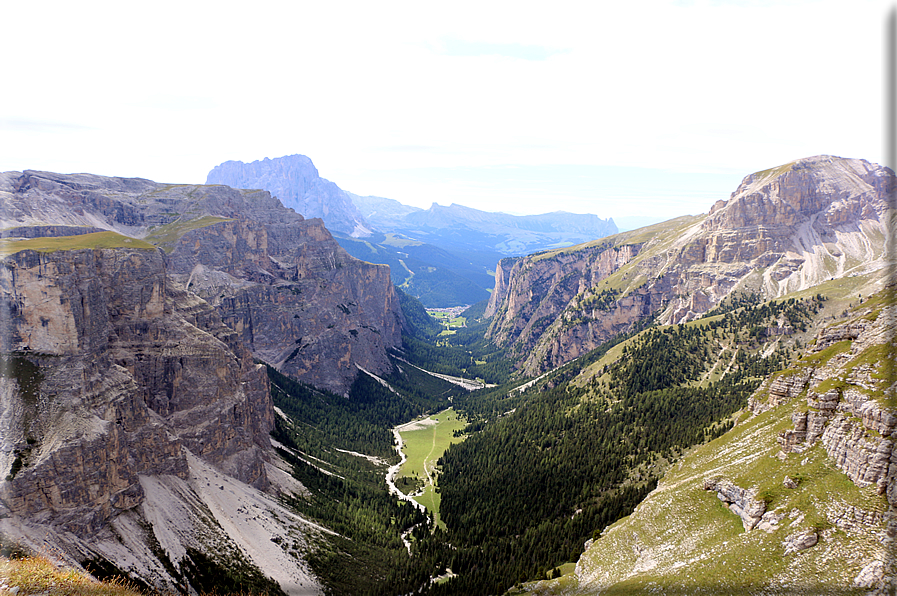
<point>444,256</point>
<point>295,181</point>
<point>457,226</point>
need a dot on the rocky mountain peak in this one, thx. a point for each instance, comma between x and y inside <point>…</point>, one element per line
<point>843,190</point>
<point>295,181</point>
<point>783,230</point>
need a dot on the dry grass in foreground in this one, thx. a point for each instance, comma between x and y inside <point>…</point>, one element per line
<point>38,575</point>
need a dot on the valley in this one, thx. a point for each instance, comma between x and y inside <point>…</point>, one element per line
<point>423,442</point>
<point>201,388</point>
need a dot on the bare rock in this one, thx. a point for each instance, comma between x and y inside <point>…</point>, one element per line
<point>791,440</point>
<point>785,222</point>
<point>871,575</point>
<point>838,333</point>
<point>800,541</point>
<point>115,375</point>
<point>864,458</point>
<point>789,482</point>
<point>770,521</point>
<point>740,501</point>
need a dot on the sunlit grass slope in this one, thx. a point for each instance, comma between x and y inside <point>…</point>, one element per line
<point>83,241</point>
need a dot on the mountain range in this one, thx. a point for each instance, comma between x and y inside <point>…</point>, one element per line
<point>444,256</point>
<point>198,386</point>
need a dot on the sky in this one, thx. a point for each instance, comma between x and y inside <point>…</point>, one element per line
<point>623,109</point>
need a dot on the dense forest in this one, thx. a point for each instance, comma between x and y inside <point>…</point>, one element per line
<point>566,451</point>
<point>545,466</point>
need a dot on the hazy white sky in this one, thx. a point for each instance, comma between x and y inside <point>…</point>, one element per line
<point>615,108</point>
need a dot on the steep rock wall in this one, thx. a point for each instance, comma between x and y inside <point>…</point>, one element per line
<point>105,379</point>
<point>782,230</point>
<point>296,299</point>
<point>121,399</point>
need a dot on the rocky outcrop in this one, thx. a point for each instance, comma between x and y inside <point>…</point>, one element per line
<point>779,389</point>
<point>112,379</point>
<point>800,541</point>
<point>848,419</point>
<point>783,230</point>
<point>295,181</point>
<point>740,501</point>
<point>297,300</point>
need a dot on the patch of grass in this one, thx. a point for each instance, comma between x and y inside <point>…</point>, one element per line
<point>823,356</point>
<point>167,236</point>
<point>887,297</point>
<point>881,358</point>
<point>672,227</point>
<point>81,242</point>
<point>772,173</point>
<point>38,575</point>
<point>400,241</point>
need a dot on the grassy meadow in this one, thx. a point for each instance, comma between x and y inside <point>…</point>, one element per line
<point>424,442</point>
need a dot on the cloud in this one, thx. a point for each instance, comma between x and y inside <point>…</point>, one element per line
<point>460,47</point>
<point>40,126</point>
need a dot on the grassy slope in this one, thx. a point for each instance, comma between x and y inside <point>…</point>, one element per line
<point>83,241</point>
<point>167,236</point>
<point>682,538</point>
<point>38,575</point>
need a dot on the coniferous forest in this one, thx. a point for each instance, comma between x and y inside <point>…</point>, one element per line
<point>542,470</point>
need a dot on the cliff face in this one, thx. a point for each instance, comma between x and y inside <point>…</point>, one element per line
<point>114,381</point>
<point>296,299</point>
<point>782,230</point>
<point>112,374</point>
<point>295,181</point>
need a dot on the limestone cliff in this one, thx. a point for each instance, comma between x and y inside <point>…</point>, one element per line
<point>783,230</point>
<point>296,299</point>
<point>119,395</point>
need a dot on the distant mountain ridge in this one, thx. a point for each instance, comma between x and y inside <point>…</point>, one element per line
<point>385,231</point>
<point>502,232</point>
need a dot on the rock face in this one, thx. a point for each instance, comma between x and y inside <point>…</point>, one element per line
<point>114,383</point>
<point>138,371</point>
<point>134,420</point>
<point>849,419</point>
<point>295,181</point>
<point>782,230</point>
<point>296,299</point>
